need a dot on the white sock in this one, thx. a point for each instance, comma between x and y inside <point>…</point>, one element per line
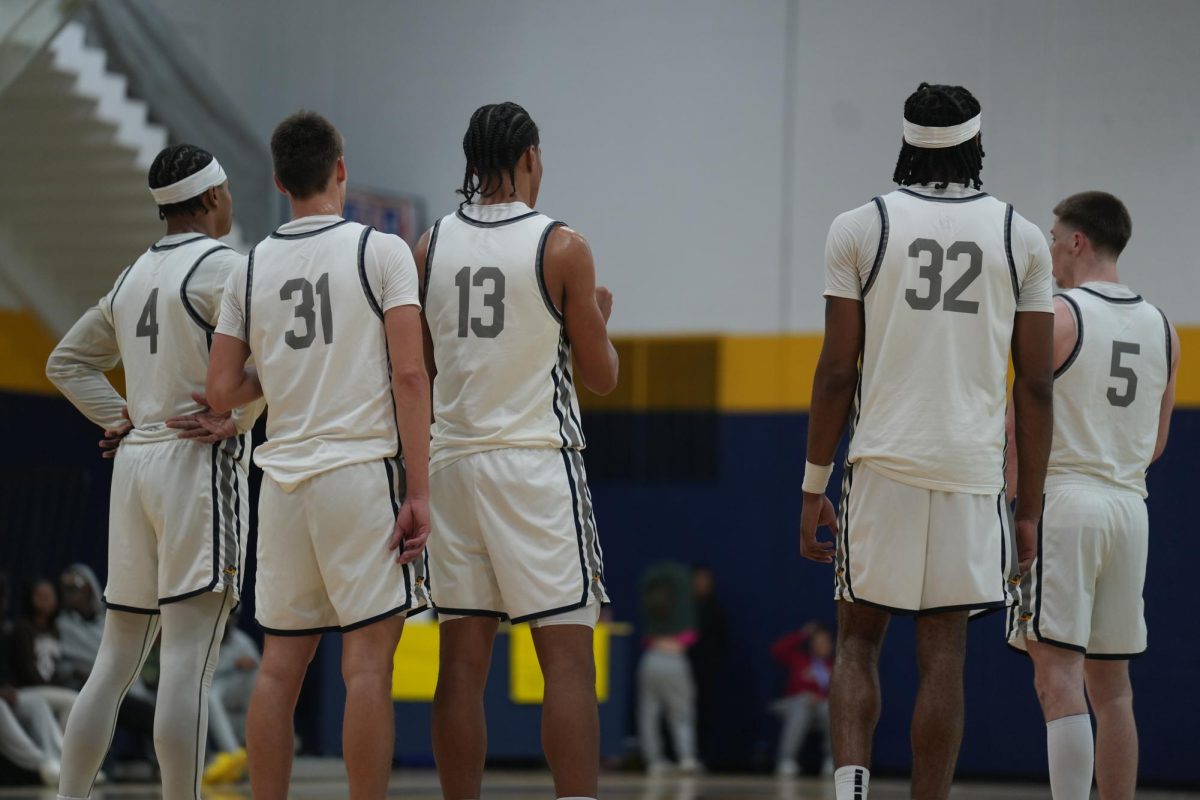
<point>1072,756</point>
<point>850,783</point>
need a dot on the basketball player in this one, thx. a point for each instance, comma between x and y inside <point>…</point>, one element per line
<point>510,296</point>
<point>330,311</point>
<point>178,511</point>
<point>1115,358</point>
<point>927,287</point>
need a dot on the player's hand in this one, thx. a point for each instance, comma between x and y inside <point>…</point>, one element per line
<point>113,436</point>
<point>411,530</point>
<point>1026,544</point>
<point>817,513</point>
<point>206,426</point>
<point>604,299</point>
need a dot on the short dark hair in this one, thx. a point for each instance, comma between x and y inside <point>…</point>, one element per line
<point>496,138</point>
<point>940,106</point>
<point>304,148</point>
<point>1099,216</point>
<point>172,165</point>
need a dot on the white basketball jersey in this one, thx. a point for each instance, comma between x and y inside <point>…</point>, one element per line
<point>939,304</point>
<point>312,314</point>
<point>503,360</point>
<point>163,331</point>
<point>1108,394</point>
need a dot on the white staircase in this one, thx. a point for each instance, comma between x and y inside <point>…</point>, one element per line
<point>74,152</point>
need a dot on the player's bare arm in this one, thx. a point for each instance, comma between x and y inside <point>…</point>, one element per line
<point>421,257</point>
<point>571,280</point>
<point>410,388</point>
<point>1168,400</point>
<point>1066,334</point>
<point>230,384</point>
<point>1033,348</point>
<point>833,395</point>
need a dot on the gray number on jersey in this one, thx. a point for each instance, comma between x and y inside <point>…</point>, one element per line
<point>147,326</point>
<point>932,272</point>
<point>1118,370</point>
<point>306,311</point>
<point>493,300</point>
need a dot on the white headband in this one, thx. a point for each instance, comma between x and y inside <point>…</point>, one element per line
<point>922,136</point>
<point>195,184</point>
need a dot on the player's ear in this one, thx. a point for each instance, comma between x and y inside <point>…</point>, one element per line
<point>279,185</point>
<point>340,169</point>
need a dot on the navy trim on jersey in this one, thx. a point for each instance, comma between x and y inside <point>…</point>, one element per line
<point>331,226</point>
<point>1137,298</point>
<point>884,229</point>
<point>183,295</point>
<point>540,268</point>
<point>249,286</point>
<point>433,234</point>
<point>1008,252</point>
<point>943,199</point>
<point>158,248</point>
<point>362,272</point>
<point>130,609</point>
<point>1167,333</point>
<point>112,299</point>
<point>496,224</point>
<point>1078,336</point>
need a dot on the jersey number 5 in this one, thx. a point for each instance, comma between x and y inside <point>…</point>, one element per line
<point>1118,370</point>
<point>932,272</point>
<point>493,299</point>
<point>306,311</point>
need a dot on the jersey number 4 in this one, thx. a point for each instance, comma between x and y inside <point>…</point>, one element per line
<point>306,311</point>
<point>493,299</point>
<point>147,326</point>
<point>932,272</point>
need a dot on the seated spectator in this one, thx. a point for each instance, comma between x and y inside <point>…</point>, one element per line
<point>37,650</point>
<point>228,702</point>
<point>664,677</point>
<point>808,656</point>
<point>29,735</point>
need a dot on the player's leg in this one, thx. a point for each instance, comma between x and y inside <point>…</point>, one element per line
<point>854,698</point>
<point>459,726</point>
<point>1058,679</point>
<point>937,722</point>
<point>126,642</point>
<point>570,720</point>
<point>369,726</point>
<point>1111,694</point>
<point>269,737</point>
<point>191,640</point>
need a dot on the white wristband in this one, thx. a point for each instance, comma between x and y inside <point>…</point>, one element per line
<point>816,477</point>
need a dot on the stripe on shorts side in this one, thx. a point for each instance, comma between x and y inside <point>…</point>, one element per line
<point>1037,591</point>
<point>590,536</point>
<point>394,495</point>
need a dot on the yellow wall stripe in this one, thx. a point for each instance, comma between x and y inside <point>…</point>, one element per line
<point>736,374</point>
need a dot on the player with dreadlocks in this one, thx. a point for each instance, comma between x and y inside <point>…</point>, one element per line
<point>928,290</point>
<point>178,513</point>
<point>513,314</point>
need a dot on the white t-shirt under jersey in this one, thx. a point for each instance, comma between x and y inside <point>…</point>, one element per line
<point>156,321</point>
<point>941,275</point>
<point>503,359</point>
<point>1108,394</point>
<point>310,304</point>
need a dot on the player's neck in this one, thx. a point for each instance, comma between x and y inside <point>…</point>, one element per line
<point>519,195</point>
<point>319,205</point>
<point>192,224</point>
<point>1098,270</point>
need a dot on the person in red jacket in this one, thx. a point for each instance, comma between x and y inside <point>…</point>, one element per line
<point>808,656</point>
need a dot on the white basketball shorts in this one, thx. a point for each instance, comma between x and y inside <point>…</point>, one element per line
<point>911,550</point>
<point>323,558</point>
<point>177,522</point>
<point>514,536</point>
<point>1084,590</point>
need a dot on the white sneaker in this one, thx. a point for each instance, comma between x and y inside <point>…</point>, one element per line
<point>48,770</point>
<point>787,769</point>
<point>690,765</point>
<point>658,768</point>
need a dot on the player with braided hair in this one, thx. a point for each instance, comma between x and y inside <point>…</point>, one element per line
<point>513,312</point>
<point>178,513</point>
<point>929,289</point>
